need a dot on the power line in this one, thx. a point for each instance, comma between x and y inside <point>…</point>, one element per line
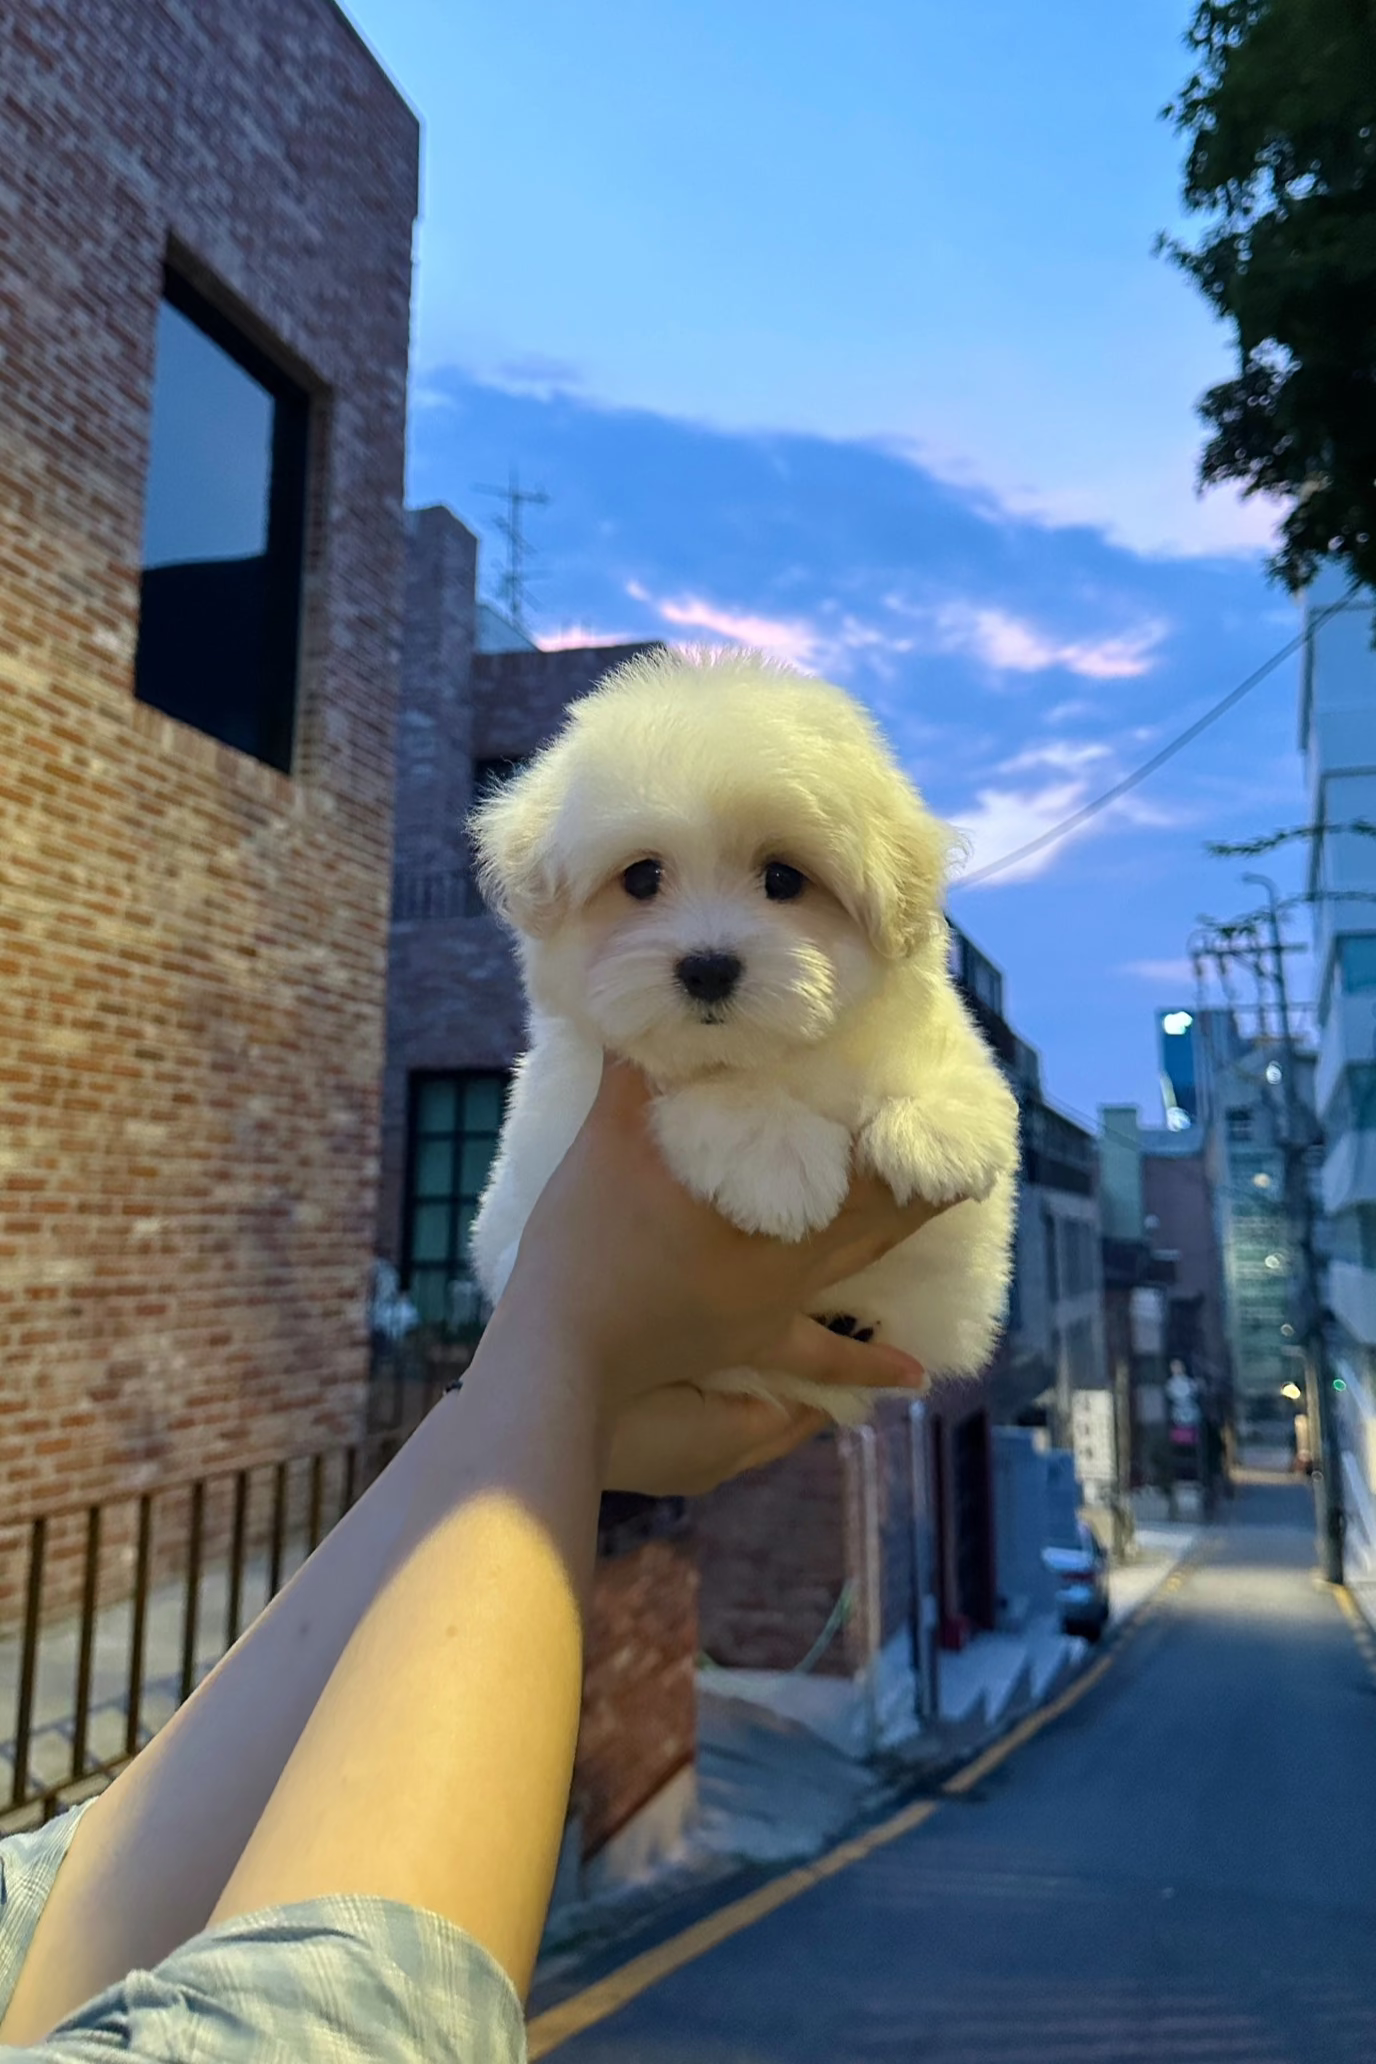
<point>1167,752</point>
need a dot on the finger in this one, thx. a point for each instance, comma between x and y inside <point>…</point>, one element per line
<point>874,1230</point>
<point>853,1256</point>
<point>809,1349</point>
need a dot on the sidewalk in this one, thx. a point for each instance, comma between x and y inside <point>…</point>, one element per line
<point>774,1792</point>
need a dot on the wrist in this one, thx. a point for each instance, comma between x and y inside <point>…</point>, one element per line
<point>544,1370</point>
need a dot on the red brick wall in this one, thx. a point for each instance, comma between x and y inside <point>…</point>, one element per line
<point>639,1724</point>
<point>192,946</point>
<point>773,1552</point>
<point>776,1546</point>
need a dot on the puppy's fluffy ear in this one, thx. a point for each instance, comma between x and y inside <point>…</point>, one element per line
<point>905,857</point>
<point>513,837</point>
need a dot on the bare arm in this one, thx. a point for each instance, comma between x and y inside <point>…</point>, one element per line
<point>154,1852</point>
<point>435,1768</point>
<point>485,1517</point>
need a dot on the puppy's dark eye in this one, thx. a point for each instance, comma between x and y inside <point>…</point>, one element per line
<point>782,882</point>
<point>642,879</point>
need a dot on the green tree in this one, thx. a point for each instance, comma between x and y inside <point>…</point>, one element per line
<point>1280,114</point>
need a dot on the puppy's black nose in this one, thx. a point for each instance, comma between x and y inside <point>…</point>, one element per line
<point>709,977</point>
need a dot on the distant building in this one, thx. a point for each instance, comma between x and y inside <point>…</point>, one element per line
<point>1246,1161</point>
<point>1179,1221</point>
<point>1221,1151</point>
<point>1163,1302</point>
<point>1338,737</point>
<point>1053,1344</point>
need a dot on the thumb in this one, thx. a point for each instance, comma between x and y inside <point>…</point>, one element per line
<point>810,1349</point>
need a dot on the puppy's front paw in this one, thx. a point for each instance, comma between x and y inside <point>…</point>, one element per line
<point>917,1155</point>
<point>767,1163</point>
<point>844,1323</point>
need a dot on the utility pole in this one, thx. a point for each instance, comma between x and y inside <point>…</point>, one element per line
<point>1328,1465</point>
<point>513,582</point>
<point>1124,1530</point>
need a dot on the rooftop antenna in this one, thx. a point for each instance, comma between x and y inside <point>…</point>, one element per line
<point>513,582</point>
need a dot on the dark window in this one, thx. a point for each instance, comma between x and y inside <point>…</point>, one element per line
<point>224,533</point>
<point>455,1120</point>
<point>1239,1121</point>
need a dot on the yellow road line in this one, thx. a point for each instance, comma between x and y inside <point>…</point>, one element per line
<point>558,2024</point>
<point>608,1995</point>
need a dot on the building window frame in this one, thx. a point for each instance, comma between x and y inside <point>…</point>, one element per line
<point>273,700</point>
<point>450,1202</point>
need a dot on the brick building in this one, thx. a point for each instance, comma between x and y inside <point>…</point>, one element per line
<point>455,1012</point>
<point>455,1020</point>
<point>1053,1344</point>
<point>205,240</point>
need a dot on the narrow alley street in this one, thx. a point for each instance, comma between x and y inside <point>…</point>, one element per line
<point>1181,1869</point>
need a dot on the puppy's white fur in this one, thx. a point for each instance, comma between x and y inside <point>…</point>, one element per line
<point>845,1039</point>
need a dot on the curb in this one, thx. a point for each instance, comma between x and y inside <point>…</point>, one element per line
<point>938,1772</point>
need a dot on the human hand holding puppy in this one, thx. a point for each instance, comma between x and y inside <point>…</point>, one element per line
<point>718,872</point>
<point>659,1291</point>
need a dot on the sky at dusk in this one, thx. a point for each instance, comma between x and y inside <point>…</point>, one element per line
<point>839,332</point>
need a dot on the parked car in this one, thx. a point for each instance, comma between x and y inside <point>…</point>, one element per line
<point>1081,1575</point>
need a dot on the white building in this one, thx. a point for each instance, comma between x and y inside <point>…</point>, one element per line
<point>1338,737</point>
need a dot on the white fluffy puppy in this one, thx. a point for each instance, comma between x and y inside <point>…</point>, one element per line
<point>717,872</point>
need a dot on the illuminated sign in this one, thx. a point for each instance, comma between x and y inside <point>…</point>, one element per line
<point>1179,1073</point>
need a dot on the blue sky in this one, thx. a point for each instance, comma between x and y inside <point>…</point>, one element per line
<point>839,331</point>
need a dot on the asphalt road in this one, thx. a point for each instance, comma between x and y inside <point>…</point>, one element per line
<point>1179,1870</point>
